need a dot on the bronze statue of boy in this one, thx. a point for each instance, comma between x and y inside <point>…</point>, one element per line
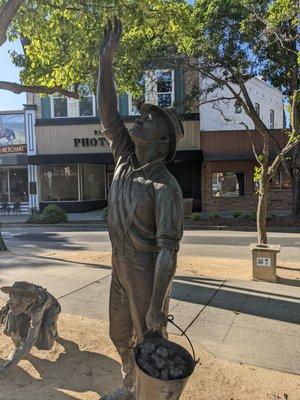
<point>30,318</point>
<point>144,217</point>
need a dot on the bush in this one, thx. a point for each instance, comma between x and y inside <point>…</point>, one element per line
<point>195,216</point>
<point>34,217</point>
<point>215,215</point>
<point>236,214</point>
<point>52,214</point>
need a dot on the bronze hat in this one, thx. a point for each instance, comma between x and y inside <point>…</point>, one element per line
<point>176,128</point>
<point>21,288</point>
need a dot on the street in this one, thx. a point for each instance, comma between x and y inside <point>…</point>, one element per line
<point>204,243</point>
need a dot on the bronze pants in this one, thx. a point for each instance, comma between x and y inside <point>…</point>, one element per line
<point>130,295</point>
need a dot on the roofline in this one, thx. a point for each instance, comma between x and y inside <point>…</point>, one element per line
<point>12,112</point>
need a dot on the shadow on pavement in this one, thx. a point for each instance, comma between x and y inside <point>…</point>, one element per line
<point>100,266</point>
<point>227,296</point>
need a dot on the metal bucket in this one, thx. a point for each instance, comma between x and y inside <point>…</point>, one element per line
<point>149,388</point>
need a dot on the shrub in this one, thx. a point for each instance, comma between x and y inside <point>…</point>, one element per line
<point>236,214</point>
<point>52,214</point>
<point>215,215</point>
<point>195,216</point>
<point>34,217</point>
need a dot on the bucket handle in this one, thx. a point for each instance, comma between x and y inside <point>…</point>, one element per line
<point>171,320</point>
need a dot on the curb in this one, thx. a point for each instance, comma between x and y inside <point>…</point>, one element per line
<point>103,225</point>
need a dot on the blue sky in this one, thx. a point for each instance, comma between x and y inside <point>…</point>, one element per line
<point>8,72</point>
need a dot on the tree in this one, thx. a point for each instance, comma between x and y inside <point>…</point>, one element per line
<point>281,41</point>
<point>60,44</point>
<point>233,45</point>
<point>227,41</point>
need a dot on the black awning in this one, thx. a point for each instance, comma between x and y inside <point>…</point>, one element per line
<point>99,158</point>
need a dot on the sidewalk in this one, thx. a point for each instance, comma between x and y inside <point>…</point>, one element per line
<point>250,322</point>
<point>91,216</point>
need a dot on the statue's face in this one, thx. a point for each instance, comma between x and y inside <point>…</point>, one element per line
<point>18,304</point>
<point>150,128</point>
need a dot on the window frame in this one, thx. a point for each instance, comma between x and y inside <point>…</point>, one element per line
<point>59,201</point>
<point>78,107</point>
<point>229,197</point>
<point>151,79</point>
<point>257,108</point>
<point>130,98</point>
<point>272,119</point>
<point>52,97</point>
<point>8,174</point>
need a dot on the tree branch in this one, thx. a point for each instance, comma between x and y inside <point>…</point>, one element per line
<point>19,88</point>
<point>250,134</point>
<point>270,29</point>
<point>222,98</point>
<point>289,146</point>
<point>7,14</point>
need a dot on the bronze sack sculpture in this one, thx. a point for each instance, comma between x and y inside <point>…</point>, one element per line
<point>144,217</point>
<point>30,318</point>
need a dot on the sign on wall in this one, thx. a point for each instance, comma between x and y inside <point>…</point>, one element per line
<point>12,133</point>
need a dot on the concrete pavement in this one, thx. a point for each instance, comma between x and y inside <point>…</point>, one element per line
<point>249,322</point>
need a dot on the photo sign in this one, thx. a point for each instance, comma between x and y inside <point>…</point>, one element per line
<point>12,133</point>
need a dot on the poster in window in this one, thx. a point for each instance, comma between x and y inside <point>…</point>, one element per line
<point>12,133</point>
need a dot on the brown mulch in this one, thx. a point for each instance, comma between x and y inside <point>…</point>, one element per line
<point>242,222</point>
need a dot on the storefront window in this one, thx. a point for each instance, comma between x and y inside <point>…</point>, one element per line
<point>18,182</point>
<point>4,185</point>
<point>228,184</point>
<point>59,182</point>
<point>93,182</point>
<point>281,180</point>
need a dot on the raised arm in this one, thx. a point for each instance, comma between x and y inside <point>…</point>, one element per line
<point>106,92</point>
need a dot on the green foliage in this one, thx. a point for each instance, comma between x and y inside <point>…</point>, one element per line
<point>257,173</point>
<point>196,216</point>
<point>236,214</point>
<point>52,214</point>
<point>214,216</point>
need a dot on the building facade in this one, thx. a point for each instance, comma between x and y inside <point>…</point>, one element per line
<point>268,102</point>
<point>54,152</point>
<point>228,167</point>
<point>14,192</point>
<point>72,164</point>
<point>228,175</point>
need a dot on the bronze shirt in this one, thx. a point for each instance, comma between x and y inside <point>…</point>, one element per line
<point>145,204</point>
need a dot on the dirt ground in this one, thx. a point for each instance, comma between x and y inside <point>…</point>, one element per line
<point>209,266</point>
<point>84,365</point>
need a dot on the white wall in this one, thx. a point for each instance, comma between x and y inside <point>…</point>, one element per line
<point>260,92</point>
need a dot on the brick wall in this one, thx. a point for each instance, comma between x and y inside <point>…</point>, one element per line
<point>280,200</point>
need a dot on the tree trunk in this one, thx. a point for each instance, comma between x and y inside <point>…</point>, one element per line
<point>296,192</point>
<point>2,243</point>
<point>262,211</point>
